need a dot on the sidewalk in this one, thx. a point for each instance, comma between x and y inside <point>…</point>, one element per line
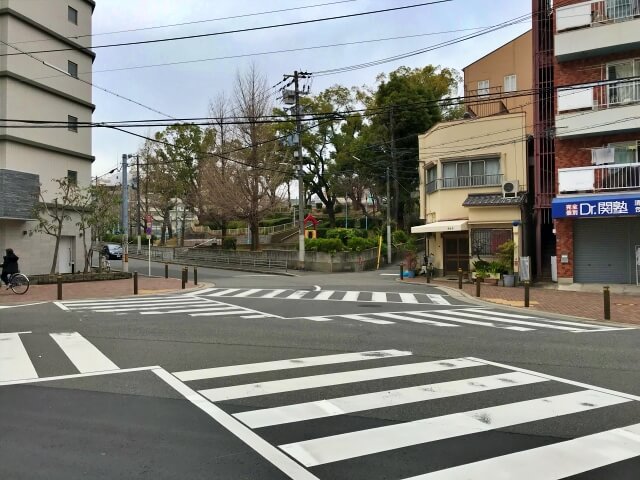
<point>82,290</point>
<point>624,308</point>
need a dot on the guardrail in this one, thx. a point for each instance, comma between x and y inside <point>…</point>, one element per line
<point>236,232</point>
<point>596,13</point>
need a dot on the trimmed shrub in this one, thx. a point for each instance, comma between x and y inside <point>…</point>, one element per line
<point>236,224</point>
<point>272,222</point>
<point>326,245</point>
<point>399,236</point>
<point>229,243</point>
<point>358,244</point>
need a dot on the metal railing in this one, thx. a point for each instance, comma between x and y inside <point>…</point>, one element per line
<point>596,13</point>
<point>236,232</point>
<point>599,178</point>
<point>608,94</point>
<point>464,182</point>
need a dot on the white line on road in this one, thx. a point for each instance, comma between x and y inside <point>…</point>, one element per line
<point>408,298</point>
<point>22,305</point>
<point>61,305</point>
<point>363,318</point>
<point>405,318</point>
<point>212,308</point>
<point>378,297</point>
<point>218,313</point>
<point>273,293</point>
<point>83,354</point>
<point>324,295</point>
<point>470,322</point>
<point>223,292</point>
<point>438,299</point>
<point>317,288</point>
<point>490,316</point>
<point>77,375</point>
<point>15,363</point>
<point>217,372</point>
<point>247,293</point>
<point>261,446</point>
<point>552,462</point>
<point>388,398</point>
<point>351,296</point>
<point>297,295</point>
<point>330,379</point>
<point>318,319</point>
<point>381,439</point>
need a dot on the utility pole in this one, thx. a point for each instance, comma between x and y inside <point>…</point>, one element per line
<point>396,190</point>
<point>125,215</point>
<point>139,215</point>
<point>296,83</point>
<point>388,219</point>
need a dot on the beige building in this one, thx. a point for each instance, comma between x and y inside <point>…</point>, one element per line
<point>497,82</point>
<point>32,89</point>
<point>464,166</point>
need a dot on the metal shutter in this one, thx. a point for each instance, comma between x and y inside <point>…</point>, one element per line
<point>601,250</point>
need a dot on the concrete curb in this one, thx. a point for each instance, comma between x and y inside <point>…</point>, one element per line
<point>454,292</point>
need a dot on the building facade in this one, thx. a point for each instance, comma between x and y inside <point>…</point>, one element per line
<point>43,88</point>
<point>474,172</point>
<point>597,138</point>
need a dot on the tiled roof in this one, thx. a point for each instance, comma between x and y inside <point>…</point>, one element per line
<point>491,200</point>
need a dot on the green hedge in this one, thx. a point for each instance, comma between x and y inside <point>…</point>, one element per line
<point>326,245</point>
<point>272,222</point>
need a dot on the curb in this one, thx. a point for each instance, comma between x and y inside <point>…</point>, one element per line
<point>454,292</point>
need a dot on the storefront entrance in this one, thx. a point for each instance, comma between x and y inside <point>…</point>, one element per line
<point>456,252</point>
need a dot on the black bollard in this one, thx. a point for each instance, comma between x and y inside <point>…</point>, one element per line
<point>166,270</point>
<point>135,283</point>
<point>527,284</point>
<point>478,287</point>
<point>460,279</point>
<point>401,271</point>
<point>184,278</point>
<point>607,303</point>
<point>59,279</point>
<point>195,275</point>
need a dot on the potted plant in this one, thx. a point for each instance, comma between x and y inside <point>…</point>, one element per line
<point>505,254</point>
<point>481,269</point>
<point>494,270</point>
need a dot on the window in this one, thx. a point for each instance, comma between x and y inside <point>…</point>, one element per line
<point>72,15</point>
<point>72,68</point>
<point>72,177</point>
<point>471,173</point>
<point>510,83</point>
<point>72,123</point>
<point>625,152</point>
<point>627,91</point>
<point>432,179</point>
<point>485,241</point>
<point>483,87</point>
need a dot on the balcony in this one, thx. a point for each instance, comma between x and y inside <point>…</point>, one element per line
<point>485,102</point>
<point>606,108</point>
<point>598,179</point>
<point>594,28</point>
<point>464,182</point>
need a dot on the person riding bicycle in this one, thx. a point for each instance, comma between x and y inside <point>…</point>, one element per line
<point>9,265</point>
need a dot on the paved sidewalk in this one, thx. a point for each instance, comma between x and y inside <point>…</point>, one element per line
<point>81,290</point>
<point>624,308</point>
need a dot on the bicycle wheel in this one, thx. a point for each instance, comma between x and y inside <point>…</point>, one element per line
<point>19,284</point>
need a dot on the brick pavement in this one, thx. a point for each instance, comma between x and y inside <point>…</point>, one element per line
<point>624,308</point>
<point>81,290</point>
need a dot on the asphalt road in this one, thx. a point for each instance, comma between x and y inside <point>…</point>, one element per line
<point>363,378</point>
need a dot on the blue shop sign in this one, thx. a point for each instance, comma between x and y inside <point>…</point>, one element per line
<point>596,206</point>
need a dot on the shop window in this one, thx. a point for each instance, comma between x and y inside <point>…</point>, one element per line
<point>485,241</point>
<point>471,173</point>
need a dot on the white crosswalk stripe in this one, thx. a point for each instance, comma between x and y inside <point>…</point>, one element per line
<point>478,317</point>
<point>187,304</point>
<point>328,295</point>
<point>554,461</point>
<point>16,361</point>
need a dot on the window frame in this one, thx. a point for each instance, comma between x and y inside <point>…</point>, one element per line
<point>72,177</point>
<point>72,66</point>
<point>493,238</point>
<point>626,145</point>
<point>72,123</point>
<point>461,181</point>
<point>507,79</point>
<point>72,15</point>
<point>482,90</point>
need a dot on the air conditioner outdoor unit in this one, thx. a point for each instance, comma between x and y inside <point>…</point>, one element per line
<point>510,189</point>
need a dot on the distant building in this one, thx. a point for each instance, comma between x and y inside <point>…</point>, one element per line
<point>596,212</point>
<point>31,90</point>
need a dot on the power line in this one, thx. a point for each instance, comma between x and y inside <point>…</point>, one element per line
<point>194,22</point>
<point>239,30</point>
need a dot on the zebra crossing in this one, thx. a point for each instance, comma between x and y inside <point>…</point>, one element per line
<point>331,436</point>
<point>477,317</point>
<point>325,295</point>
<point>188,304</point>
<point>17,363</point>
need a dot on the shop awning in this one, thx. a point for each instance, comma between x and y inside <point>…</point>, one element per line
<point>445,226</point>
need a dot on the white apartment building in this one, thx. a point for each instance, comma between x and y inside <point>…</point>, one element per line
<point>33,90</point>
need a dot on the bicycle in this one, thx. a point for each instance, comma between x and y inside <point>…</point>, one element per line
<point>18,283</point>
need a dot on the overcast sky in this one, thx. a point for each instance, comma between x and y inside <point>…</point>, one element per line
<point>185,90</point>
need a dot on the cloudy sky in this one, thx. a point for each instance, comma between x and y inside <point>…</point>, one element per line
<point>185,89</point>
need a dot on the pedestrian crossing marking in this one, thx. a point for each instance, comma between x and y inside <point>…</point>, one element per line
<point>366,319</point>
<point>389,398</point>
<point>550,462</point>
<point>330,379</point>
<point>474,322</point>
<point>14,359</point>
<point>328,295</point>
<point>230,371</point>
<point>82,353</point>
<point>16,365</point>
<point>416,320</point>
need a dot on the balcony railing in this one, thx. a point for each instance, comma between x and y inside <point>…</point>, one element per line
<point>612,93</point>
<point>464,182</point>
<point>599,178</point>
<point>596,13</point>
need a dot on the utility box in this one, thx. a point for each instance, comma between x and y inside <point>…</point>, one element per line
<point>554,269</point>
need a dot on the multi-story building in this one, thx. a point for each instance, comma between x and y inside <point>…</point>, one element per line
<point>474,172</point>
<point>32,87</point>
<point>597,138</point>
